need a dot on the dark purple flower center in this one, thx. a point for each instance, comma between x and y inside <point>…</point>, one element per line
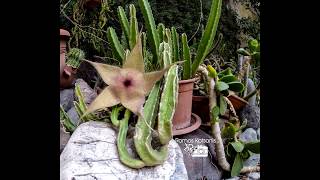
<point>127,82</point>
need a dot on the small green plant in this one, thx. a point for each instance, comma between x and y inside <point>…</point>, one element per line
<point>236,150</point>
<point>74,57</point>
<point>253,50</point>
<point>81,108</point>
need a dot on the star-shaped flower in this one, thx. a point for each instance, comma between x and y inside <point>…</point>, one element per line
<point>127,85</point>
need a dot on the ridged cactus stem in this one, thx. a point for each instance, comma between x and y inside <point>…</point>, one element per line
<point>133,26</point>
<point>153,36</point>
<point>186,57</point>
<point>124,22</point>
<point>161,29</point>
<point>117,49</point>
<point>175,44</point>
<point>143,133</point>
<point>124,156</point>
<point>168,104</point>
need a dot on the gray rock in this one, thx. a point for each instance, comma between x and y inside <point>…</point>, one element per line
<point>251,88</point>
<point>252,160</point>
<point>252,114</point>
<point>254,176</point>
<point>88,93</point>
<point>249,135</point>
<point>258,133</point>
<point>91,153</point>
<point>199,167</point>
<point>66,98</point>
<point>73,115</point>
<point>64,138</point>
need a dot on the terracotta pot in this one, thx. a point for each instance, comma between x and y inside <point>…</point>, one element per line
<point>200,106</point>
<point>64,36</point>
<point>237,102</point>
<point>182,116</point>
<point>68,77</point>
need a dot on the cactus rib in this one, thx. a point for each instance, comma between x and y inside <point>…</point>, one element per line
<point>117,49</point>
<point>186,57</point>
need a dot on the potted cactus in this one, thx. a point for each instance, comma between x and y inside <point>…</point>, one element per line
<point>157,35</point>
<point>74,58</point>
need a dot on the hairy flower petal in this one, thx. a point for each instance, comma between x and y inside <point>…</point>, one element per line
<point>135,58</point>
<point>107,72</point>
<point>106,98</point>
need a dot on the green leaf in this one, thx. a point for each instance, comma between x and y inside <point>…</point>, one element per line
<point>223,105</point>
<point>253,147</point>
<point>236,86</point>
<point>237,165</point>
<point>117,49</point>
<point>208,35</point>
<point>221,86</point>
<point>228,78</point>
<point>225,72</point>
<point>253,45</point>
<point>238,146</point>
<point>215,112</point>
<point>123,22</point>
<point>229,130</point>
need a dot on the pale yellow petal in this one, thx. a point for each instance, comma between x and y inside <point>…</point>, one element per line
<point>107,72</point>
<point>135,58</point>
<point>151,78</point>
<point>105,99</point>
<point>132,100</point>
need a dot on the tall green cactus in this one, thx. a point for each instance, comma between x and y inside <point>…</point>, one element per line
<point>133,26</point>
<point>143,133</point>
<point>175,44</point>
<point>124,22</point>
<point>186,57</point>
<point>117,48</point>
<point>124,155</point>
<point>161,29</point>
<point>153,35</point>
<point>208,35</point>
<point>168,105</point>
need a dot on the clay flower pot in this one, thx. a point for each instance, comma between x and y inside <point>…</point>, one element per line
<point>182,118</point>
<point>68,77</point>
<point>237,102</point>
<point>200,106</point>
<point>64,36</point>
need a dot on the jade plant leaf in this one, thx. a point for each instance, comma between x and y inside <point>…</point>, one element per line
<point>253,147</point>
<point>229,130</point>
<point>237,146</point>
<point>215,112</point>
<point>236,86</point>
<point>223,105</point>
<point>237,165</point>
<point>221,86</point>
<point>225,72</point>
<point>228,78</point>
